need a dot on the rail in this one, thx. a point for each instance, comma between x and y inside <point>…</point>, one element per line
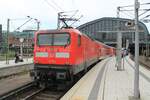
<point>16,91</point>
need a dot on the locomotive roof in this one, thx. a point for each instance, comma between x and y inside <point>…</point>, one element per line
<point>60,30</point>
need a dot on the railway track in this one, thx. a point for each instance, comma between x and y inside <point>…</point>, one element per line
<point>9,95</point>
<point>142,62</point>
<point>31,92</point>
<point>45,94</point>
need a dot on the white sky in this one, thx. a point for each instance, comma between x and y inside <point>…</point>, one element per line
<point>90,9</point>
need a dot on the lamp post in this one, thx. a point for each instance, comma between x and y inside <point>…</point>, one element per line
<point>21,47</point>
<point>7,53</point>
<point>38,23</point>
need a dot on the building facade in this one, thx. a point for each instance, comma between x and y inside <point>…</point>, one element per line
<point>13,41</point>
<point>105,30</point>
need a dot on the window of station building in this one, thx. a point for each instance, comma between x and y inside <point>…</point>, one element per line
<point>97,26</point>
<point>103,35</point>
<point>114,35</point>
<point>79,40</point>
<point>100,25</point>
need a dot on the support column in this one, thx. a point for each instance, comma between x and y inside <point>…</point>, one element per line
<point>136,78</point>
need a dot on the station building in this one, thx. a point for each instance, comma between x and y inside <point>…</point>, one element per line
<point>105,30</point>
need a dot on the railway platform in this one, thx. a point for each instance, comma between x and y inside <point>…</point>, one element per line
<point>14,75</point>
<point>12,63</point>
<point>15,68</point>
<point>104,82</point>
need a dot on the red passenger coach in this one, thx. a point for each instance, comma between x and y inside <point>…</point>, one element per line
<point>61,54</point>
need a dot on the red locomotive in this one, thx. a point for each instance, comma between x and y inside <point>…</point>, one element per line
<point>62,54</point>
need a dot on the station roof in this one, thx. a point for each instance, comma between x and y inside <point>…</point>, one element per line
<point>112,19</point>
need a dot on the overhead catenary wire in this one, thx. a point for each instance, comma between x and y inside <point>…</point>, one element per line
<point>73,3</point>
<point>145,17</point>
<point>62,14</point>
<point>127,14</point>
<point>23,24</point>
<point>57,5</point>
<point>18,19</point>
<point>144,12</point>
<point>52,6</point>
<point>55,8</point>
<point>77,20</point>
<point>74,13</point>
<point>148,3</point>
<point>130,10</point>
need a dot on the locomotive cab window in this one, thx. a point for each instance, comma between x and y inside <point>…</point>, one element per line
<point>54,39</point>
<point>79,40</point>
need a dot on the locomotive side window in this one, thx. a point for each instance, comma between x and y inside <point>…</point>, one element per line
<point>79,40</point>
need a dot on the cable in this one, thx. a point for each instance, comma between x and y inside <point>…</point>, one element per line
<point>145,17</point>
<point>74,13</point>
<point>77,20</point>
<point>23,24</point>
<point>72,2</point>
<point>127,14</point>
<point>133,5</point>
<point>18,19</point>
<point>57,5</point>
<point>144,12</point>
<point>51,6</point>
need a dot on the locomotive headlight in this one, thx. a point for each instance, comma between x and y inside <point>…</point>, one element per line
<point>62,55</point>
<point>41,54</point>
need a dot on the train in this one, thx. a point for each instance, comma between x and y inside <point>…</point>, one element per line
<point>59,55</point>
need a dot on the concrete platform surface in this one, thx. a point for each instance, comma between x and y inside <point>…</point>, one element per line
<point>104,82</point>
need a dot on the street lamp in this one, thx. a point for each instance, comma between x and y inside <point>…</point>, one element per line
<point>21,47</point>
<point>7,53</point>
<point>38,23</point>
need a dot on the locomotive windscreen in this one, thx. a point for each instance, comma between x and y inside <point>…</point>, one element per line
<point>52,39</point>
